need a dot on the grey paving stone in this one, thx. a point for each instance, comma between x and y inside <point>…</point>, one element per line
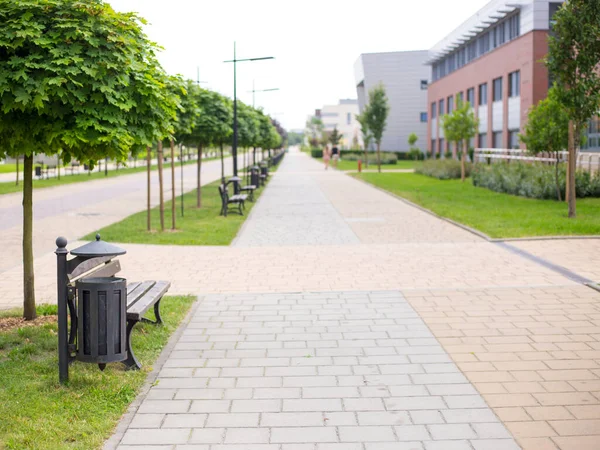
<point>156,436</point>
<point>366,434</point>
<point>303,434</point>
<point>451,431</point>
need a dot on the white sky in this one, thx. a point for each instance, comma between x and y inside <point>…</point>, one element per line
<point>315,43</point>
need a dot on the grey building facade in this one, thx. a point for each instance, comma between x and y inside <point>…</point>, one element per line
<point>405,77</point>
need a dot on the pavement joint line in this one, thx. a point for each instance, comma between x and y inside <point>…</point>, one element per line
<point>123,425</point>
<point>544,262</point>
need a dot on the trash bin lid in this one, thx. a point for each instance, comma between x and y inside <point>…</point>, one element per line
<point>98,248</point>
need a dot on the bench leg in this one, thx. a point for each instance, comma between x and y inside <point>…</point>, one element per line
<point>157,315</point>
<point>131,362</point>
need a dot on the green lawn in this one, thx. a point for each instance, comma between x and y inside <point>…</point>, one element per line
<point>353,165</point>
<point>38,413</point>
<point>10,187</point>
<point>10,168</point>
<point>202,226</point>
<point>495,214</point>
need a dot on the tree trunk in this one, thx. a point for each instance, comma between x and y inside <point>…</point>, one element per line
<point>148,203</point>
<point>222,165</point>
<point>254,156</point>
<point>366,158</point>
<point>173,205</point>
<point>558,194</point>
<point>199,179</point>
<point>58,166</point>
<point>28,278</point>
<point>17,170</point>
<point>463,158</point>
<point>379,156</point>
<point>161,200</point>
<point>571,166</point>
<point>106,167</point>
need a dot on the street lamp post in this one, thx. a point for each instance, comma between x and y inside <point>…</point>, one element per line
<point>254,91</point>
<point>235,131</point>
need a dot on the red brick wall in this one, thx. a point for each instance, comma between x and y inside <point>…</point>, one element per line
<point>524,54</point>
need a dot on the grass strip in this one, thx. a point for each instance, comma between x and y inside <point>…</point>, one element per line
<point>496,214</point>
<point>198,226</point>
<point>38,413</point>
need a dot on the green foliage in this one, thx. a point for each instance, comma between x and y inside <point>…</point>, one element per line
<point>460,125</point>
<point>377,112</point>
<point>412,140</point>
<point>415,154</point>
<point>444,169</point>
<point>547,128</point>
<point>248,125</point>
<point>79,78</point>
<point>295,138</point>
<point>364,129</point>
<point>386,158</point>
<point>316,153</point>
<point>335,137</point>
<point>533,180</point>
<point>573,58</point>
<point>314,131</point>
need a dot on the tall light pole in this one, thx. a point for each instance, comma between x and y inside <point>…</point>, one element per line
<point>235,131</point>
<point>254,91</point>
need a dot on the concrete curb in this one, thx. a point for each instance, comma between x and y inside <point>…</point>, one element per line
<point>113,442</point>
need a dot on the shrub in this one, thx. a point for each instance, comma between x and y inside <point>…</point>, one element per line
<point>386,158</point>
<point>442,169</point>
<point>533,180</point>
<point>415,154</point>
<point>316,153</point>
<point>448,155</point>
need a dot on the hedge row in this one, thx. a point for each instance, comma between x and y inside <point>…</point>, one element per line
<point>443,169</point>
<point>386,158</point>
<point>533,180</point>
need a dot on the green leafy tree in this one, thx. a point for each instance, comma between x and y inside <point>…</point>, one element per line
<point>460,126</point>
<point>78,78</point>
<point>412,140</point>
<point>314,131</point>
<point>573,59</point>
<point>547,130</point>
<point>248,128</point>
<point>377,112</point>
<point>264,136</point>
<point>295,138</point>
<point>366,133</point>
<point>335,136</point>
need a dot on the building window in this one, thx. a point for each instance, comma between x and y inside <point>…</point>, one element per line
<point>497,138</point>
<point>500,34</point>
<point>348,118</point>
<point>450,104</point>
<point>554,7</point>
<point>433,146</point>
<point>424,84</point>
<point>482,140</point>
<point>514,84</point>
<point>423,117</point>
<point>513,139</point>
<point>441,107</point>
<point>471,96</point>
<point>433,110</point>
<point>461,97</point>
<point>514,27</point>
<point>497,89</point>
<point>441,147</point>
<point>483,94</point>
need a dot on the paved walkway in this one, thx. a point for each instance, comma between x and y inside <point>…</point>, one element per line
<point>400,331</point>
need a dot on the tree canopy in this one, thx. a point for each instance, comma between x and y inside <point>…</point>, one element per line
<point>80,78</point>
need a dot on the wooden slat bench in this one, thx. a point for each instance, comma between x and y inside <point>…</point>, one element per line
<point>141,296</point>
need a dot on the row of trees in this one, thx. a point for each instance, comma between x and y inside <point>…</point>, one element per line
<point>82,80</point>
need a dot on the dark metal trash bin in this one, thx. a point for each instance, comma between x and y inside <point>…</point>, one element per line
<point>264,169</point>
<point>255,176</point>
<point>102,304</point>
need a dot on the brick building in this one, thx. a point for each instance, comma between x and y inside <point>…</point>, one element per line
<point>493,61</point>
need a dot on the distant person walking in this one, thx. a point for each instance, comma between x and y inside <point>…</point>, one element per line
<point>326,157</point>
<point>335,155</point>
